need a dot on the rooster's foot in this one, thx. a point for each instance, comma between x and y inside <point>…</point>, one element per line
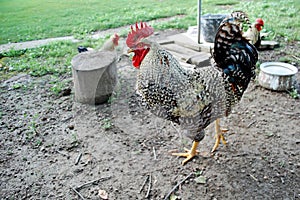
<point>219,136</point>
<point>189,153</point>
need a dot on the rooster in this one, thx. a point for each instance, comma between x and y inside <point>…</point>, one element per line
<point>193,99</point>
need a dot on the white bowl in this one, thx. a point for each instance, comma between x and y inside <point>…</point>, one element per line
<point>277,75</point>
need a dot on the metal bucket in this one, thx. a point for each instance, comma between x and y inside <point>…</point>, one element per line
<point>277,75</point>
<point>209,26</point>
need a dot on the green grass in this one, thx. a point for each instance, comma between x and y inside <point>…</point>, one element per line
<point>281,16</point>
<point>50,59</point>
<point>58,85</point>
<point>54,58</point>
<point>23,20</point>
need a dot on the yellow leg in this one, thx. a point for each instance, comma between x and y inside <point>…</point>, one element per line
<point>219,135</point>
<point>189,154</point>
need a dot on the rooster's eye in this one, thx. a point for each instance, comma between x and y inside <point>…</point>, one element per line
<point>140,45</point>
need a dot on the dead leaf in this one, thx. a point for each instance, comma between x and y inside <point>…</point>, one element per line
<point>173,197</point>
<point>200,179</point>
<point>103,194</point>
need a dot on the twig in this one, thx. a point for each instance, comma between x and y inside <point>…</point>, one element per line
<point>144,183</point>
<point>241,154</point>
<point>62,153</point>
<point>177,185</point>
<point>67,119</point>
<point>154,153</point>
<point>253,177</point>
<point>295,57</point>
<point>92,182</point>
<point>78,193</point>
<point>253,122</point>
<point>78,159</point>
<point>289,113</point>
<point>156,127</point>
<point>149,186</point>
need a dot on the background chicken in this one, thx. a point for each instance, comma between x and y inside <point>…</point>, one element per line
<point>193,99</point>
<point>253,31</point>
<point>109,45</point>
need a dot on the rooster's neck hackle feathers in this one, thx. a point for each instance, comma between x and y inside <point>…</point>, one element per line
<point>239,18</point>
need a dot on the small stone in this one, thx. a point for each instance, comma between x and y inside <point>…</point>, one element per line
<point>200,180</point>
<point>71,126</point>
<point>103,194</point>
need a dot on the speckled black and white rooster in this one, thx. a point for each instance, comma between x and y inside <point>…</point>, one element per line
<point>196,98</point>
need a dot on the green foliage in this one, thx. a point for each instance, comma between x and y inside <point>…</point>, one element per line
<point>32,127</point>
<point>106,124</point>
<point>12,53</point>
<point>19,85</point>
<point>33,123</point>
<point>281,17</point>
<point>51,59</point>
<point>28,20</point>
<point>54,58</point>
<point>74,138</point>
<point>24,20</point>
<point>294,93</point>
<point>176,23</point>
<point>58,85</point>
<point>38,142</point>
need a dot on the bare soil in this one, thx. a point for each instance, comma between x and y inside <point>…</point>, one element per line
<point>51,146</point>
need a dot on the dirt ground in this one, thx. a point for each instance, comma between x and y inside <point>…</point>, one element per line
<point>52,147</point>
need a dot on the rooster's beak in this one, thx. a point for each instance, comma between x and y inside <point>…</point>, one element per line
<point>130,50</point>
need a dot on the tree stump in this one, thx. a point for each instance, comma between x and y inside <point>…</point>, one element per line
<point>94,76</point>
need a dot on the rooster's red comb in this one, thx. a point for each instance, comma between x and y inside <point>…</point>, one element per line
<point>115,39</point>
<point>259,21</point>
<point>140,32</point>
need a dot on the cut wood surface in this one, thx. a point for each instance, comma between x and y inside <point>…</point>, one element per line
<point>266,44</point>
<point>95,76</point>
<point>186,54</point>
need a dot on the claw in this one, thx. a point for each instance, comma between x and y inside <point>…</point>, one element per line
<point>189,153</point>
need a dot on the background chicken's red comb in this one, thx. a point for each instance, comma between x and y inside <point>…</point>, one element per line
<point>259,21</point>
<point>136,35</point>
